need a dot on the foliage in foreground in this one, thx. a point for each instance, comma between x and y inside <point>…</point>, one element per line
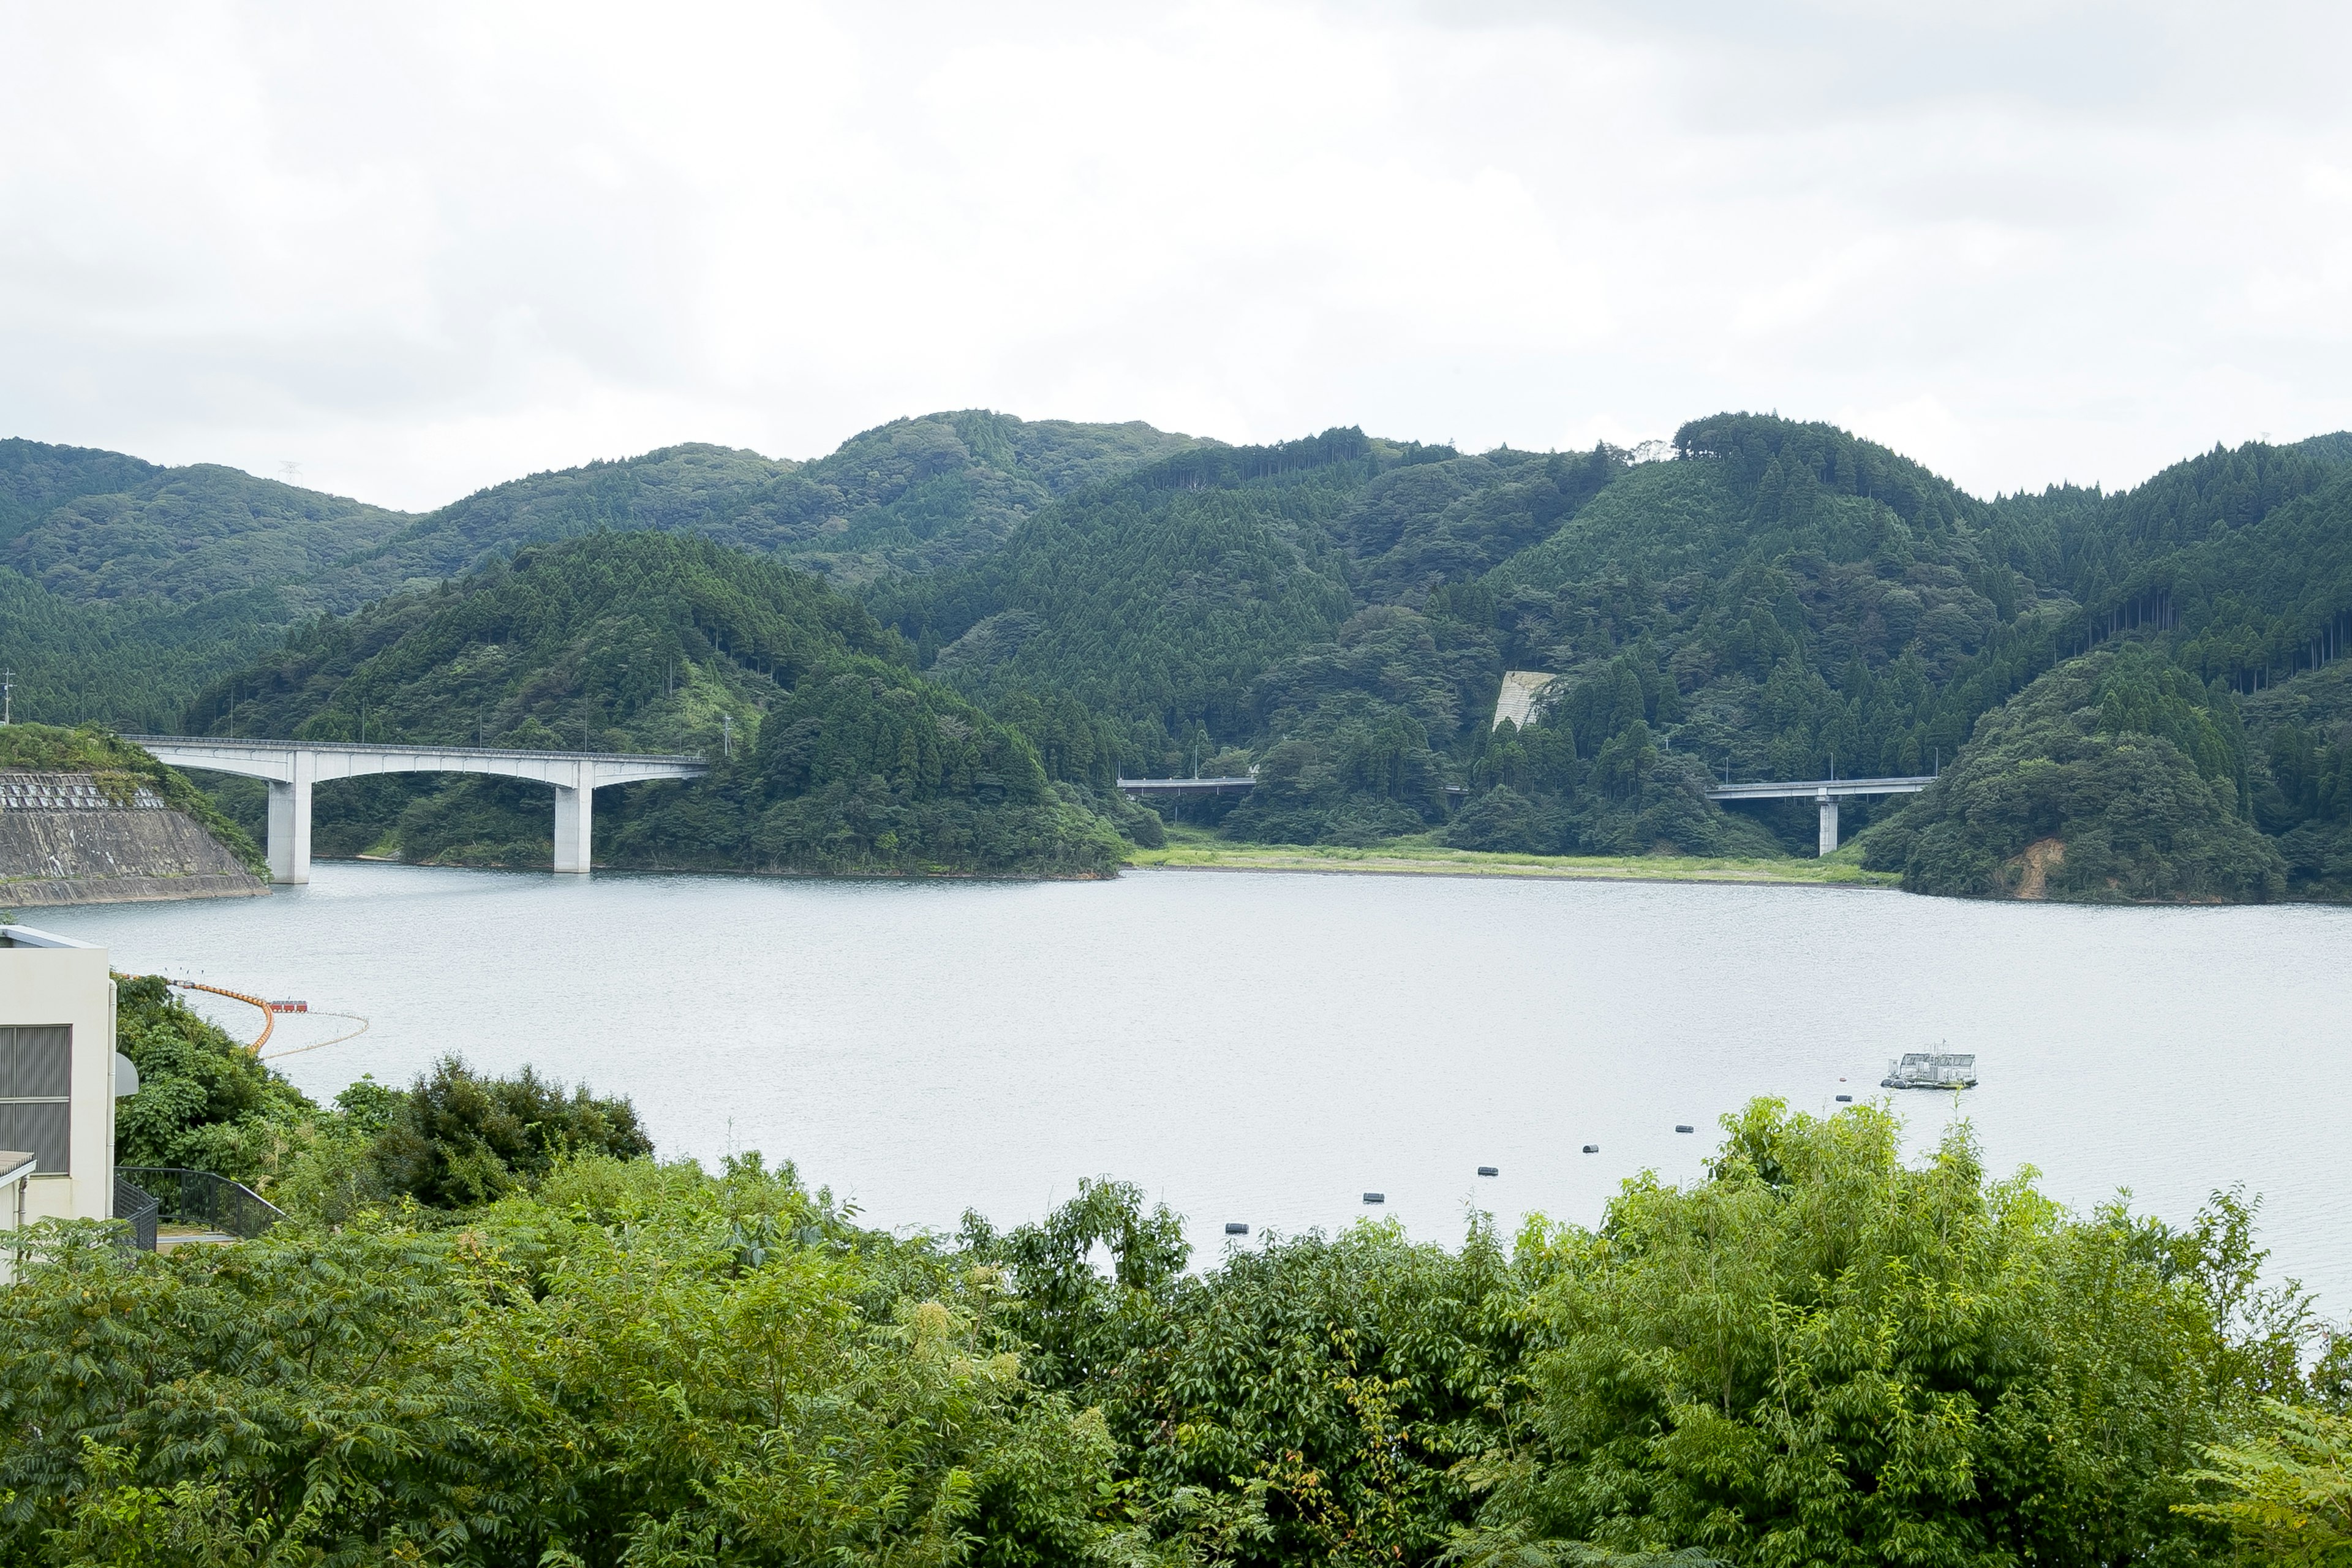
<point>639,1365</point>
<point>205,1102</point>
<point>2285,1488</point>
<point>1818,1354</point>
<point>454,1139</point>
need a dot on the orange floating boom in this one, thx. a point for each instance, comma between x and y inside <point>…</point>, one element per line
<point>268,1013</point>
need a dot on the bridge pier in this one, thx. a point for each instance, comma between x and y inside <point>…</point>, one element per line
<point>575,809</point>
<point>289,820</point>
<point>1829,821</point>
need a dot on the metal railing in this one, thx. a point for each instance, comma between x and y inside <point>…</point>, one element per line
<point>140,1208</point>
<point>199,1197</point>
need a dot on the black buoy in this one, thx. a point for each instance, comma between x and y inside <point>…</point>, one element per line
<point>1376,1197</point>
<point>1845,1099</point>
<point>1488,1170</point>
<point>1592,1148</point>
<point>1236,1229</point>
<point>1685,1127</point>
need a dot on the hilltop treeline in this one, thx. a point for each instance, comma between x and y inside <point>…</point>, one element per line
<point>490,1335</point>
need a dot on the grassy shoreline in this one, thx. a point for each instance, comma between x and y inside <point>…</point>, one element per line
<point>1196,850</point>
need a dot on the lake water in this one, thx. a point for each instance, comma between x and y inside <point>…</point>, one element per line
<point>1265,1048</point>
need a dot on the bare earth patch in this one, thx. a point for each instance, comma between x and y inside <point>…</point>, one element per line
<point>2036,859</point>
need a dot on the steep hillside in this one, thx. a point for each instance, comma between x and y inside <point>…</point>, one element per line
<point>133,666</point>
<point>840,758</point>
<point>35,478</point>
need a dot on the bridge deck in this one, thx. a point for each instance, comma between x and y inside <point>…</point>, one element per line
<point>1819,789</point>
<point>515,753</point>
<point>1239,785</point>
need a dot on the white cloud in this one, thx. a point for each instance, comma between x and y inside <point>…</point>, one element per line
<point>422,249</point>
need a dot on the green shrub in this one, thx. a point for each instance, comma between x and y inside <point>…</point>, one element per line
<point>206,1102</point>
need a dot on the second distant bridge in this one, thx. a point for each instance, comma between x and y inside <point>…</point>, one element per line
<point>1826,793</point>
<point>293,766</point>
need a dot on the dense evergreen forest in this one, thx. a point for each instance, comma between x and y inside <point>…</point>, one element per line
<point>1761,598</point>
<point>494,1331</point>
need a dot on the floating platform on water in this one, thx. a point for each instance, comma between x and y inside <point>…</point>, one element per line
<point>1931,1070</point>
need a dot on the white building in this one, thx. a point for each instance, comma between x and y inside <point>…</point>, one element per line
<point>58,1078</point>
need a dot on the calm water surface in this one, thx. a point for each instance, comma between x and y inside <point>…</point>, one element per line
<point>1265,1048</point>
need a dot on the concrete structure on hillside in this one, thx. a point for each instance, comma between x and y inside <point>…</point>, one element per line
<point>1826,792</point>
<point>59,1075</point>
<point>292,767</point>
<point>65,838</point>
<point>1516,699</point>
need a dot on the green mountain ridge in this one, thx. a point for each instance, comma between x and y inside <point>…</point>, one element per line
<point>1779,599</point>
<point>247,559</point>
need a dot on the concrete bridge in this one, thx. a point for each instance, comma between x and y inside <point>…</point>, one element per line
<point>1827,792</point>
<point>293,766</point>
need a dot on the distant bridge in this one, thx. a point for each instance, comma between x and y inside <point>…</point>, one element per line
<point>293,766</point>
<point>1201,789</point>
<point>1827,792</point>
<point>1185,789</point>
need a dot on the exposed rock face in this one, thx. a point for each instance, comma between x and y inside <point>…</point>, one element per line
<point>67,839</point>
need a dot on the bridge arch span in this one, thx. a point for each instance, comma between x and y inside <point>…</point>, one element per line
<point>292,767</point>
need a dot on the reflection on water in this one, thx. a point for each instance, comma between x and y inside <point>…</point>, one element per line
<point>1265,1048</point>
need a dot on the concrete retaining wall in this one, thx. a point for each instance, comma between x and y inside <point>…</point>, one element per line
<point>64,839</point>
<point>1516,699</point>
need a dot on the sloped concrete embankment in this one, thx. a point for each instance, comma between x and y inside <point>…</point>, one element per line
<point>65,840</point>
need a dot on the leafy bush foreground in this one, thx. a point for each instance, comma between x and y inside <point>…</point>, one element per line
<point>496,1338</point>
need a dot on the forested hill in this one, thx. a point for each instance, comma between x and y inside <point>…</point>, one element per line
<point>1762,598</point>
<point>198,569</point>
<point>908,495</point>
<point>1779,600</point>
<point>829,753</point>
<point>1778,596</point>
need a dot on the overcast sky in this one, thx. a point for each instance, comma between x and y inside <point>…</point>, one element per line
<point>418,249</point>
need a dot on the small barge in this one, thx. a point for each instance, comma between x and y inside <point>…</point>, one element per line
<point>1931,1070</point>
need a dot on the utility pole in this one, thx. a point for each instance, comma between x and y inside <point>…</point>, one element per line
<point>727,730</point>
<point>8,696</point>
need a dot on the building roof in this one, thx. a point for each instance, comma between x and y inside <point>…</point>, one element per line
<point>14,1165</point>
<point>25,936</point>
